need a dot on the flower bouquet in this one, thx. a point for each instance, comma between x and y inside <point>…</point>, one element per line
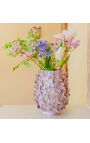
<point>51,85</point>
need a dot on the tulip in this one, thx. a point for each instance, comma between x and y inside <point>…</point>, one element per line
<point>59,53</point>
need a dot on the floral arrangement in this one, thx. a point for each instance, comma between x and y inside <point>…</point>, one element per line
<point>47,55</point>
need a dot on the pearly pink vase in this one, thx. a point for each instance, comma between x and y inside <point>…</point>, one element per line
<point>51,91</point>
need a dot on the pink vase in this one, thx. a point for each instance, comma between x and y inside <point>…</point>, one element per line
<point>51,91</point>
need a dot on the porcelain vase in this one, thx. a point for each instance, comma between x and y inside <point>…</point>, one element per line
<point>51,91</point>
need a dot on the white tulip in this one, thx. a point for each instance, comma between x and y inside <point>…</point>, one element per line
<point>59,53</point>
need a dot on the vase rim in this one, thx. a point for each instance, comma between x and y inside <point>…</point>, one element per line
<point>49,70</point>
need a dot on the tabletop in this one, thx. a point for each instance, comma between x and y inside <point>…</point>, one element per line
<point>31,112</point>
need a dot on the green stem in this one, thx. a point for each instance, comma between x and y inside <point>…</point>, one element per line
<point>36,63</point>
<point>41,63</point>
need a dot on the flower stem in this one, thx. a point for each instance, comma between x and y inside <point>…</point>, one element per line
<point>41,63</point>
<point>37,64</point>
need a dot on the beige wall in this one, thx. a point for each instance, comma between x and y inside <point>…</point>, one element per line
<point>88,66</point>
<point>78,67</point>
<point>18,87</point>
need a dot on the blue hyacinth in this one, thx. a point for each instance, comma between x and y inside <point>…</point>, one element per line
<point>42,43</point>
<point>46,53</point>
<point>42,52</point>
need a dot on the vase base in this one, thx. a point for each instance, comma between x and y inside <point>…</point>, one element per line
<point>48,113</point>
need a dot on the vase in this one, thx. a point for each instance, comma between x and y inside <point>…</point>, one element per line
<point>51,91</point>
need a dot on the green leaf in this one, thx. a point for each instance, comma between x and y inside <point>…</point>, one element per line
<point>29,65</point>
<point>61,62</point>
<point>30,34</point>
<point>62,44</point>
<point>25,62</point>
<point>13,54</point>
<point>34,36</point>
<point>48,64</point>
<point>64,61</point>
<point>16,67</point>
<point>8,45</point>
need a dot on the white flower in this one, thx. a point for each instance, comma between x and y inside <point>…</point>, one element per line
<point>59,53</point>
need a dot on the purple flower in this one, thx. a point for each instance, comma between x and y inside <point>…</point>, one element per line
<point>42,43</point>
<point>75,43</point>
<point>48,54</point>
<point>72,43</point>
<point>42,52</point>
<point>16,47</point>
<point>44,49</point>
